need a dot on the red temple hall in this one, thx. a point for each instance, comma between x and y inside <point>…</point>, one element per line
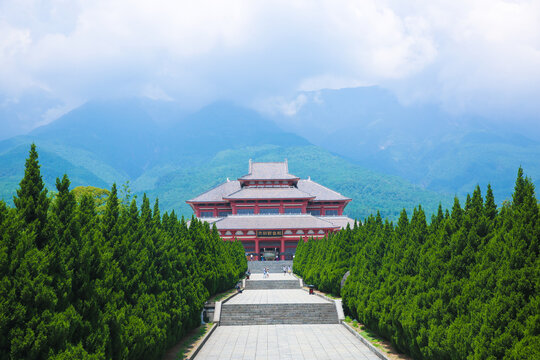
<point>269,210</point>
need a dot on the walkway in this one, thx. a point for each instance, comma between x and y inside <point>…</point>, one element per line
<point>290,296</point>
<point>284,342</point>
<point>277,320</point>
<point>272,276</point>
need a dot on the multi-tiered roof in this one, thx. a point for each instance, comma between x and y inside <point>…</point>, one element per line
<point>268,197</point>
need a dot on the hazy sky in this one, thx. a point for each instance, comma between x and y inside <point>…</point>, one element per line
<point>471,56</point>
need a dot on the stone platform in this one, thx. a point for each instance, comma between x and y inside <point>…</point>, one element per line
<point>284,342</point>
<point>279,296</point>
<point>274,318</point>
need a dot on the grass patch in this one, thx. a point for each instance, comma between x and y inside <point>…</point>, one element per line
<point>223,295</point>
<point>365,332</point>
<point>332,296</point>
<point>189,342</point>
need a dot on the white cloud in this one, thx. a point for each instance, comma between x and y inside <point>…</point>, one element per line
<point>468,55</point>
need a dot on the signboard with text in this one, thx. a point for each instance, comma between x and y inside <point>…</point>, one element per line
<point>269,233</point>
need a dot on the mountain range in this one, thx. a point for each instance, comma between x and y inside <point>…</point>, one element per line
<point>384,157</point>
<point>422,143</point>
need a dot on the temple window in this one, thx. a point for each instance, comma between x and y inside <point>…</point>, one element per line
<point>268,211</point>
<point>245,211</point>
<point>293,210</point>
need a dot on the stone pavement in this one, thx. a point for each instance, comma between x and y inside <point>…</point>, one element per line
<point>278,320</point>
<point>290,296</point>
<point>284,342</point>
<point>272,276</point>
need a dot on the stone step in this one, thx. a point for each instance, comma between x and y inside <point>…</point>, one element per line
<point>257,267</point>
<point>272,284</point>
<point>270,314</point>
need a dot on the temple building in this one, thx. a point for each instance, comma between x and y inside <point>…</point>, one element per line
<point>269,210</point>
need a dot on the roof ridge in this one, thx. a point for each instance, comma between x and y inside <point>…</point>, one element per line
<point>318,217</point>
<point>327,188</point>
<point>215,187</point>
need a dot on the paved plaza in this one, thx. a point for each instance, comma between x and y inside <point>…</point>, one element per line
<point>282,342</point>
<point>289,296</point>
<point>273,276</point>
<point>278,320</point>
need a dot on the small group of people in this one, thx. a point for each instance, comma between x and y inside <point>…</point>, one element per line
<point>239,287</point>
<point>266,273</point>
<point>286,270</point>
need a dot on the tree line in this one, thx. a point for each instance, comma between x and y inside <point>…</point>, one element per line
<point>121,282</point>
<point>466,285</point>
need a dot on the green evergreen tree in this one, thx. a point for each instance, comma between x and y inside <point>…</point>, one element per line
<point>31,200</point>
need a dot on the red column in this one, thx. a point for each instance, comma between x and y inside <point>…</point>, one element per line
<point>282,249</point>
<point>257,249</point>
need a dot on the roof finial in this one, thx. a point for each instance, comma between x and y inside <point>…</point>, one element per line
<point>309,178</point>
<point>250,163</point>
<point>228,180</point>
<point>286,166</point>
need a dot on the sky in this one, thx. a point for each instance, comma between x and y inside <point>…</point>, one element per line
<point>477,57</point>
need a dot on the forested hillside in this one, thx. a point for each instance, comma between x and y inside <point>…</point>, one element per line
<point>466,285</point>
<point>123,282</point>
<point>105,142</point>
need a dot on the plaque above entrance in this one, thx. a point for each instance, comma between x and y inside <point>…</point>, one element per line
<point>269,233</point>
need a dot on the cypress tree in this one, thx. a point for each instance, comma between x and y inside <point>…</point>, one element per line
<point>31,200</point>
<point>110,218</point>
<point>146,213</point>
<point>156,217</point>
<point>64,212</point>
<point>457,212</point>
<point>490,208</point>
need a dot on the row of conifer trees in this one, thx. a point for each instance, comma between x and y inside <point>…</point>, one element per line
<point>464,286</point>
<point>121,283</point>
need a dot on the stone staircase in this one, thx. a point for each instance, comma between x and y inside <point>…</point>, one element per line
<point>272,284</point>
<point>273,266</point>
<point>271,314</point>
<point>277,313</point>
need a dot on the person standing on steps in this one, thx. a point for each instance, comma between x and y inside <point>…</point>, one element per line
<point>284,268</point>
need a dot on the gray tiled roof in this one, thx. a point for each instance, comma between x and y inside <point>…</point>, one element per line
<point>340,221</point>
<point>208,220</point>
<point>320,192</point>
<point>268,170</point>
<point>269,193</point>
<point>273,222</point>
<point>217,193</point>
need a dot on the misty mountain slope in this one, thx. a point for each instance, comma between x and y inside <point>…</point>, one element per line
<point>101,143</point>
<point>121,134</point>
<point>221,126</point>
<point>420,143</point>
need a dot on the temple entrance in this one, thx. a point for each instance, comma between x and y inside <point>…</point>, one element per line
<point>269,254</point>
<point>269,249</point>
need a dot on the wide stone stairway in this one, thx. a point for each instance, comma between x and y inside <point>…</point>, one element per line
<point>257,267</point>
<point>274,318</point>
